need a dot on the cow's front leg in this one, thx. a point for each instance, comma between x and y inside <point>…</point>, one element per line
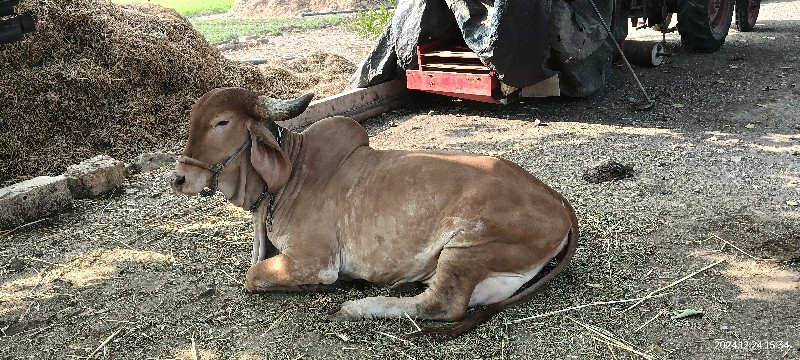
<point>283,272</point>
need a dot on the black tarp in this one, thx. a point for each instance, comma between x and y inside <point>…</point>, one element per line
<point>523,41</point>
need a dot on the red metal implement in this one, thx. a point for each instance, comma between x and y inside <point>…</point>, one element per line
<point>453,71</point>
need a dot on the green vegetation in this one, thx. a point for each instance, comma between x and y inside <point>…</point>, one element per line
<point>187,7</point>
<point>219,30</point>
<point>370,23</point>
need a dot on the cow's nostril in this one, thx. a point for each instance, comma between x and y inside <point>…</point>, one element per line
<point>179,180</point>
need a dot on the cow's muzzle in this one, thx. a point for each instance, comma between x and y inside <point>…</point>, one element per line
<point>215,169</point>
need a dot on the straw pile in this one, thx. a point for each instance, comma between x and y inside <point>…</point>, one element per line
<point>102,78</point>
<point>283,8</point>
<point>322,74</point>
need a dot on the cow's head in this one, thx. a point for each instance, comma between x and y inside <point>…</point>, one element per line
<point>232,126</point>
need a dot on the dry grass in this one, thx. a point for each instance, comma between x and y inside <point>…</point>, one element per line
<point>119,80</point>
<point>102,78</point>
<point>322,74</point>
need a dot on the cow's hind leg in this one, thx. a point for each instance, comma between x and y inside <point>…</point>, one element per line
<point>446,298</point>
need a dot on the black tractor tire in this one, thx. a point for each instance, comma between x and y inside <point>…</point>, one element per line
<point>746,14</point>
<point>704,28</point>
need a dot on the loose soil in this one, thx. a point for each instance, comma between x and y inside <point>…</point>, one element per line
<point>289,46</point>
<point>716,165</point>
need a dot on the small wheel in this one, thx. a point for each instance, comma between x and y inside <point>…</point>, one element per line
<point>746,14</point>
<point>703,24</point>
<point>644,53</point>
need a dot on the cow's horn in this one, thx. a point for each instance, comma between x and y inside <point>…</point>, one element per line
<point>280,110</point>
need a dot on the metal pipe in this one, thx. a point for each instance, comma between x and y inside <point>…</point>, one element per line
<point>266,60</point>
<point>648,103</point>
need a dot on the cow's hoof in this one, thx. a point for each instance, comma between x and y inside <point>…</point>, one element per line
<point>248,286</point>
<point>252,287</point>
<point>342,316</point>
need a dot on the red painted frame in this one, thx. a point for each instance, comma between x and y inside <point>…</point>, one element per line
<point>477,87</point>
<point>465,85</point>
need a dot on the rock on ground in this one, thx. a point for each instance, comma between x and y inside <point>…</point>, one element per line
<point>95,176</point>
<point>33,199</point>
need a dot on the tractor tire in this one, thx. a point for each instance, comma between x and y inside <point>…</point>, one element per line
<point>704,24</point>
<point>746,14</point>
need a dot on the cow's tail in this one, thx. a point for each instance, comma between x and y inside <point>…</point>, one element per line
<point>476,318</point>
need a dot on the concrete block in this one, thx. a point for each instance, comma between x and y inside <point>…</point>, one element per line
<point>33,199</point>
<point>152,161</point>
<point>95,176</point>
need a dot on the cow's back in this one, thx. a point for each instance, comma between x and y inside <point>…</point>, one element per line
<point>398,209</point>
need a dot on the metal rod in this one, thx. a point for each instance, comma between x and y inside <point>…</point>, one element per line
<point>619,50</point>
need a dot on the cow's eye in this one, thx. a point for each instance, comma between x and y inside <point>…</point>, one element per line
<point>221,123</point>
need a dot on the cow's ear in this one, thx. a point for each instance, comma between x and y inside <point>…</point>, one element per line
<point>267,158</point>
<point>271,109</point>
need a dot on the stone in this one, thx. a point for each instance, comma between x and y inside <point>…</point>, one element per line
<point>17,265</point>
<point>33,199</point>
<point>95,176</point>
<point>152,161</point>
<point>204,290</point>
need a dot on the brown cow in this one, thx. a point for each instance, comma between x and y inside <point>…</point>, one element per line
<point>327,206</point>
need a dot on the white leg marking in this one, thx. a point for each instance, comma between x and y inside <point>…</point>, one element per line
<point>377,307</point>
<point>501,286</point>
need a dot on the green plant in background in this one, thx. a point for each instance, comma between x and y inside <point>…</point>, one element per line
<point>370,23</point>
<point>220,30</point>
<point>187,7</point>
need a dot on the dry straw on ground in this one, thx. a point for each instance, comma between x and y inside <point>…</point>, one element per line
<point>102,78</point>
<point>322,74</point>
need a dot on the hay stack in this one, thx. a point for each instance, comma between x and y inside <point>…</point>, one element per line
<point>101,78</point>
<point>285,8</point>
<point>322,74</point>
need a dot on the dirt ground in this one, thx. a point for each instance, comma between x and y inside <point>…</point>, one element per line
<point>291,45</point>
<point>717,180</point>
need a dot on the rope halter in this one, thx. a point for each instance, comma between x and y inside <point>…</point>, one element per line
<point>215,169</point>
